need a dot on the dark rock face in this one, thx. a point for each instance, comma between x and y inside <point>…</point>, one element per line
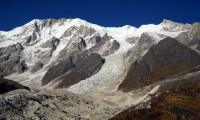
<point>104,46</point>
<point>36,67</point>
<point>194,34</point>
<point>142,46</point>
<point>57,70</point>
<point>7,67</point>
<point>50,46</point>
<point>191,37</point>
<point>178,103</point>
<point>31,40</point>
<point>52,43</point>
<point>82,44</point>
<point>44,56</point>
<point>103,43</point>
<point>21,66</point>
<point>8,85</point>
<point>88,67</point>
<point>75,54</point>
<point>132,40</point>
<point>10,61</point>
<point>183,38</point>
<point>94,40</point>
<point>74,50</point>
<point>114,47</point>
<point>198,46</point>
<point>11,49</point>
<point>163,60</point>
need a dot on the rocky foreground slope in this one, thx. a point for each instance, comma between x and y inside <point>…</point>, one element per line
<point>181,102</point>
<point>21,103</point>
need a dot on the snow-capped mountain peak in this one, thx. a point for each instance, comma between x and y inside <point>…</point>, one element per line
<point>45,43</point>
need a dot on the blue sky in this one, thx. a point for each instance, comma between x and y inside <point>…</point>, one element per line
<point>14,13</point>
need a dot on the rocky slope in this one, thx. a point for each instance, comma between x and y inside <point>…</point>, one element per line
<point>180,102</point>
<point>10,60</point>
<point>40,105</point>
<point>163,60</point>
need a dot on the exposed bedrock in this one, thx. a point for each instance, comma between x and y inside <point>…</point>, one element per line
<point>163,60</point>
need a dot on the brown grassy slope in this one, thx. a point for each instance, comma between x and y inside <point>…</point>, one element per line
<point>179,103</point>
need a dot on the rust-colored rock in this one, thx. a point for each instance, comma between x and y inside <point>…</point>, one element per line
<point>179,103</point>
